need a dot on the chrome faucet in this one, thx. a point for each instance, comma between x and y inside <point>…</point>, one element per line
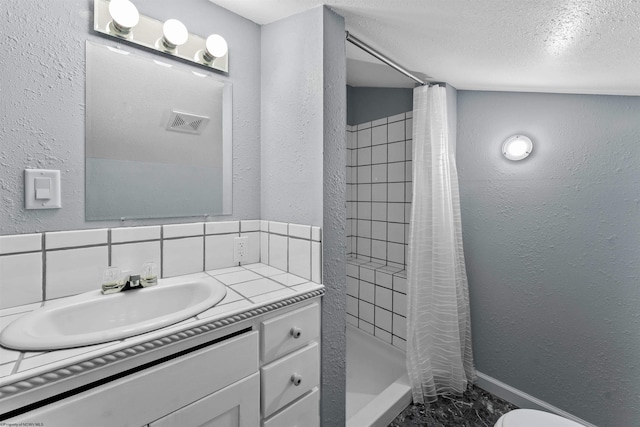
<point>131,281</point>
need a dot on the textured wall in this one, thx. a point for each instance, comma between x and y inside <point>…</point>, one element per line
<point>334,222</point>
<point>42,103</point>
<point>552,246</point>
<point>291,112</point>
<point>365,104</point>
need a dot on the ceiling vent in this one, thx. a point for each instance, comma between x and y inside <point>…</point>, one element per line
<point>187,123</point>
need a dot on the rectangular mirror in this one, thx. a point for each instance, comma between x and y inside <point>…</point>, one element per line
<point>158,138</point>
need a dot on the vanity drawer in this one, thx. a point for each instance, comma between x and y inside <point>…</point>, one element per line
<point>305,412</point>
<point>287,379</point>
<point>290,331</point>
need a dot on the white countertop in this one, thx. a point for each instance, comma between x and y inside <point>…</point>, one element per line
<point>248,287</point>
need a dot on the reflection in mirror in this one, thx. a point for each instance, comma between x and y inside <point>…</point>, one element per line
<point>158,138</point>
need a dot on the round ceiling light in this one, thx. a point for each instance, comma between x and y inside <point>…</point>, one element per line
<point>517,147</point>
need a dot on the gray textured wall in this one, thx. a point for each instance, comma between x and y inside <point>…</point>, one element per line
<point>365,104</point>
<point>304,160</point>
<point>291,112</point>
<point>552,245</point>
<point>42,103</point>
<point>334,239</point>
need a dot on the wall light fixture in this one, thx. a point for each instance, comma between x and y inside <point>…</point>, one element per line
<point>121,19</point>
<point>517,147</point>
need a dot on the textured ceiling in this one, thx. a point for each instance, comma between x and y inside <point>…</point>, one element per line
<point>572,46</point>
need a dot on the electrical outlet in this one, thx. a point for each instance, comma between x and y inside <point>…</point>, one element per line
<point>240,249</point>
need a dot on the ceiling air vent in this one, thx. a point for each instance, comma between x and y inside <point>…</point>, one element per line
<point>187,123</point>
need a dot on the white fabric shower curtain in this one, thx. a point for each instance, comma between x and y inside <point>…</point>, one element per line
<point>439,356</point>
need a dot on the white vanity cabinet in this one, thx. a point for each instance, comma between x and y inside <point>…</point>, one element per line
<point>290,372</point>
<point>265,371</point>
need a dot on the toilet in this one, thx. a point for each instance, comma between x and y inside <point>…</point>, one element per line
<point>534,418</point>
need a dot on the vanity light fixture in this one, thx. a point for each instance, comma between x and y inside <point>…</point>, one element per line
<point>215,47</point>
<point>124,16</point>
<point>174,34</point>
<point>517,147</point>
<point>120,19</point>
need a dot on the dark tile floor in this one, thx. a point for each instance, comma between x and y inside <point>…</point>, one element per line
<point>475,408</point>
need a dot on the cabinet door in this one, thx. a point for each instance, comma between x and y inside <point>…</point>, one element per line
<point>233,406</point>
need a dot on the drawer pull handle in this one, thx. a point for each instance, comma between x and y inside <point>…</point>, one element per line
<point>295,332</point>
<point>296,379</point>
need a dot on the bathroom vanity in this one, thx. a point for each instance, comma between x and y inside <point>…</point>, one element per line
<point>247,362</point>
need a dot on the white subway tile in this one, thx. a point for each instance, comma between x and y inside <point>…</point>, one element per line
<point>316,234</point>
<point>367,291</point>
<point>379,154</point>
<point>135,234</point>
<point>75,271</point>
<point>352,320</point>
<point>379,122</point>
<point>352,306</point>
<point>253,247</point>
<point>364,125</point>
<point>131,256</point>
<point>353,270</point>
<point>379,136</point>
<point>395,232</point>
<point>379,249</point>
<point>300,258</point>
<point>379,173</point>
<point>384,298</point>
<point>396,172</point>
<point>20,279</point>
<point>367,274</point>
<point>264,225</point>
<point>219,251</point>
<point>396,212</point>
<point>379,193</point>
<point>278,227</point>
<point>183,230</point>
<point>238,277</point>
<point>383,319</point>
<point>379,211</point>
<point>397,117</point>
<point>249,225</point>
<point>69,239</point>
<point>365,326</point>
<point>400,303</point>
<point>182,256</point>
<point>316,262</point>
<point>384,279</point>
<point>298,230</point>
<point>273,296</point>
<point>400,284</point>
<point>264,248</point>
<point>396,192</point>
<point>222,227</point>
<point>363,156</point>
<point>278,253</point>
<point>288,279</point>
<point>352,286</point>
<point>400,326</point>
<point>395,252</point>
<point>396,152</point>
<point>383,335</point>
<point>408,128</point>
<point>366,311</point>
<point>396,131</point>
<point>364,138</point>
<point>364,174</point>
<point>20,243</point>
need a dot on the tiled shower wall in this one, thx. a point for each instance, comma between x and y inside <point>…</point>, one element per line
<point>379,189</point>
<point>379,193</point>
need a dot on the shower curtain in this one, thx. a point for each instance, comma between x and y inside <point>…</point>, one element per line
<point>439,357</point>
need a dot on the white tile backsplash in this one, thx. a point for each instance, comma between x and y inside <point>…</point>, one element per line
<point>20,243</point>
<point>222,227</point>
<point>182,230</point>
<point>20,279</point>
<point>219,251</point>
<point>300,257</point>
<point>135,234</point>
<point>74,271</point>
<point>182,256</point>
<point>257,287</point>
<point>69,239</point>
<point>131,256</point>
<point>75,260</point>
<point>278,254</point>
<point>383,319</point>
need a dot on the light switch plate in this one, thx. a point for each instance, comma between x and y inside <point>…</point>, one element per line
<point>31,176</point>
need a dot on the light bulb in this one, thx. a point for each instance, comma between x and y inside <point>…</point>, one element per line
<point>124,15</point>
<point>517,147</point>
<point>215,47</point>
<point>174,34</point>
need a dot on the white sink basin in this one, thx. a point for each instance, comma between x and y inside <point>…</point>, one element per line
<point>93,318</point>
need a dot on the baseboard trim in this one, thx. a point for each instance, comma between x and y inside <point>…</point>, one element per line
<point>522,399</point>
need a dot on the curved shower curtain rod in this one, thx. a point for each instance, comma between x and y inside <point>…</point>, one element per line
<point>371,51</point>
